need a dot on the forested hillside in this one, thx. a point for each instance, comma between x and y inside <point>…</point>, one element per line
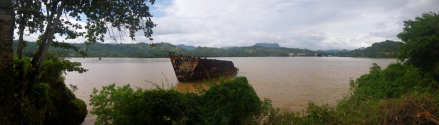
<point>145,50</point>
<point>385,49</point>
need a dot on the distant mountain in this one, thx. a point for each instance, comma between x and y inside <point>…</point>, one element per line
<point>186,47</point>
<point>333,50</point>
<point>385,49</point>
<point>270,45</point>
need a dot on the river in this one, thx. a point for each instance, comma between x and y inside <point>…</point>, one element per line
<point>290,82</point>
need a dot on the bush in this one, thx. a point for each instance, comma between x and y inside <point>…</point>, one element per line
<point>420,38</point>
<point>391,82</point>
<point>51,102</point>
<point>228,102</point>
<point>81,113</point>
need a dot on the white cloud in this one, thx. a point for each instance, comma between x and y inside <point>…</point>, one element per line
<point>311,24</point>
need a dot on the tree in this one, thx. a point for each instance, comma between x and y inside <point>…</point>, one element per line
<point>125,16</point>
<point>118,18</point>
<point>27,15</point>
<point>6,61</point>
<point>421,38</point>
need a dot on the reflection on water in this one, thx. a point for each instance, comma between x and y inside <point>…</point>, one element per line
<point>289,82</point>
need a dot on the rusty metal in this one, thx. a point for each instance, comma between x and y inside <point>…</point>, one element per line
<point>189,68</point>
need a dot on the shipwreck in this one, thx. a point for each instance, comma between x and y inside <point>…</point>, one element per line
<point>190,68</point>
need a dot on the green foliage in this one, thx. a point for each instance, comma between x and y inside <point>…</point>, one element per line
<point>125,17</point>
<point>375,69</point>
<point>421,46</point>
<point>371,93</point>
<point>162,106</point>
<point>392,82</point>
<point>229,102</point>
<point>82,109</point>
<point>51,102</point>
<point>41,91</point>
<point>318,114</point>
<point>63,106</point>
<point>36,104</point>
<point>66,46</point>
<point>26,16</point>
<point>54,67</point>
<point>110,102</point>
<point>24,60</point>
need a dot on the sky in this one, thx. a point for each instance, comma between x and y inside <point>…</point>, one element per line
<point>304,24</point>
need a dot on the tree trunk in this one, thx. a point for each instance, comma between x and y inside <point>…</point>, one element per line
<point>36,65</point>
<point>19,65</point>
<point>6,62</point>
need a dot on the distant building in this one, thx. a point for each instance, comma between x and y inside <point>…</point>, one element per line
<point>290,54</point>
<point>302,54</point>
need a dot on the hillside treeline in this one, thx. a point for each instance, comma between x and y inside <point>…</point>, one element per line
<point>385,49</point>
<point>160,50</point>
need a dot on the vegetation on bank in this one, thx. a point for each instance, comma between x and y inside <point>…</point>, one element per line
<point>51,101</point>
<point>405,92</point>
<point>229,102</point>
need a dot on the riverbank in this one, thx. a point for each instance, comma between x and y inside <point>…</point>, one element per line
<point>399,94</point>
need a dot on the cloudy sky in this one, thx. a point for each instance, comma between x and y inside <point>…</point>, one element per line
<point>310,24</point>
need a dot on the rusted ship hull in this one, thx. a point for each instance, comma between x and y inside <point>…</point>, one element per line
<point>190,68</point>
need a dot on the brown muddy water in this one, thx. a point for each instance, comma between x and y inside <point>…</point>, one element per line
<point>290,82</point>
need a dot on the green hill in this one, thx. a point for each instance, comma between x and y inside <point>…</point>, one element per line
<point>385,49</point>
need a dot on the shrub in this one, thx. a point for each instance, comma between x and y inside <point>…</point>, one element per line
<point>391,82</point>
<point>229,102</point>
